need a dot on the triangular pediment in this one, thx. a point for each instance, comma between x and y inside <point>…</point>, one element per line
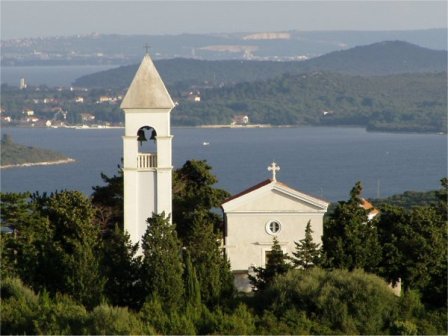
<point>147,90</point>
<point>274,197</point>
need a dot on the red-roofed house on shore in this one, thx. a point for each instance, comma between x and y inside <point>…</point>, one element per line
<point>253,217</point>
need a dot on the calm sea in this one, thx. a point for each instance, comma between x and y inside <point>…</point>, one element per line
<point>54,75</point>
<point>325,162</point>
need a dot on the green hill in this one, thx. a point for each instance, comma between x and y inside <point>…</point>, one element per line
<point>410,102</point>
<point>13,154</point>
<point>185,72</point>
<point>383,58</point>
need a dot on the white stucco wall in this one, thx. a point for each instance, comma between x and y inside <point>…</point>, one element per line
<point>248,240</point>
<point>246,217</point>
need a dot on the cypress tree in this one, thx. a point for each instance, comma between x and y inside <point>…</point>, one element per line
<point>162,267</point>
<point>192,287</point>
<point>213,270</point>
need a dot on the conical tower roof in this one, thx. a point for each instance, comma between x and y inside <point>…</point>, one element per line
<point>147,90</point>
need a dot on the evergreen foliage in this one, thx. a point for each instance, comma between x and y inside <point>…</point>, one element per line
<point>121,268</point>
<point>213,270</point>
<point>75,263</point>
<point>192,287</point>
<point>307,252</point>
<point>345,302</point>
<point>415,250</point>
<point>350,239</point>
<point>276,264</point>
<point>58,271</point>
<point>194,196</point>
<point>199,228</point>
<point>108,199</point>
<point>56,246</point>
<point>162,266</point>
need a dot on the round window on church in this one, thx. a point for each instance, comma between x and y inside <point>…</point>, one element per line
<point>273,227</point>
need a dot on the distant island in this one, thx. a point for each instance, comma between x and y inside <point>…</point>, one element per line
<point>16,155</point>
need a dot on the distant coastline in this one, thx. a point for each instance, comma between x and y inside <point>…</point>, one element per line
<point>43,163</point>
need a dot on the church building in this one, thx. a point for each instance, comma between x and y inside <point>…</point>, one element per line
<point>253,217</point>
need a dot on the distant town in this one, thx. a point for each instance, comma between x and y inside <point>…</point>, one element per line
<point>42,106</point>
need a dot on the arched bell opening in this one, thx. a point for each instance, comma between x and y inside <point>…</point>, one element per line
<point>146,139</point>
<point>147,148</point>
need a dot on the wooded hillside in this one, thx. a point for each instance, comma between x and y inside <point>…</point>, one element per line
<point>376,59</point>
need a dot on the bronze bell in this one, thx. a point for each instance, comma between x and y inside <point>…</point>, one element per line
<point>141,136</point>
<point>153,135</point>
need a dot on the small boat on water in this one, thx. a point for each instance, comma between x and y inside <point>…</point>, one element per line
<point>205,143</point>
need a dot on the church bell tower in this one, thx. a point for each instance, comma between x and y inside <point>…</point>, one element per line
<point>147,166</point>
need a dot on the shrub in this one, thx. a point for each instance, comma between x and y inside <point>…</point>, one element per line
<point>19,307</point>
<point>107,320</point>
<point>348,302</point>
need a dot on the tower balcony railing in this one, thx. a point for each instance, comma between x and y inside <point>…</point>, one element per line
<point>146,160</point>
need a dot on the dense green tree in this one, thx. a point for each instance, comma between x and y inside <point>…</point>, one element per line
<point>425,248</point>
<point>194,195</point>
<point>212,268</point>
<point>72,261</point>
<point>307,252</point>
<point>22,250</point>
<point>162,266</point>
<point>121,268</point>
<point>414,243</point>
<point>199,227</point>
<point>108,199</point>
<point>350,239</point>
<point>392,228</point>
<point>276,264</point>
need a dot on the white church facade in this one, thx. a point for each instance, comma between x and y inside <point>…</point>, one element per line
<point>256,215</point>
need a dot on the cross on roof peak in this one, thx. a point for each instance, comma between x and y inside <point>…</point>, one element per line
<point>274,168</point>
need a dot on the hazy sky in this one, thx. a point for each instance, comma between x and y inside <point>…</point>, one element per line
<point>54,18</point>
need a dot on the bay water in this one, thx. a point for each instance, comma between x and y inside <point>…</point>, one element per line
<point>322,161</point>
<point>50,75</point>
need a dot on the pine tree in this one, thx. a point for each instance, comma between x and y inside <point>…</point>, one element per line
<point>276,264</point>
<point>307,252</point>
<point>162,266</point>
